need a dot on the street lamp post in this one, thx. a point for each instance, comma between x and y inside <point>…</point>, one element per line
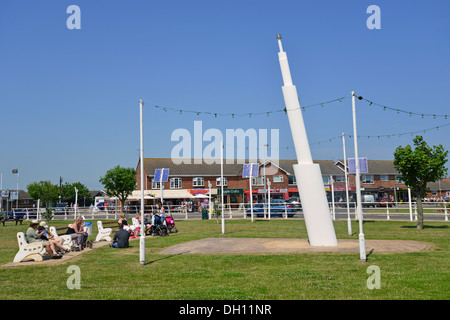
<point>362,245</point>
<point>221,186</point>
<point>142,239</point>
<point>349,221</point>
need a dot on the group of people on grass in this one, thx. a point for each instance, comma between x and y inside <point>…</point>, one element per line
<point>126,231</point>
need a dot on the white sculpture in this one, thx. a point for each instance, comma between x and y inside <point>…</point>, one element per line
<point>316,212</point>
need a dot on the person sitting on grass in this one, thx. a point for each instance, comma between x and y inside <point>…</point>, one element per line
<point>120,239</point>
<point>34,236</point>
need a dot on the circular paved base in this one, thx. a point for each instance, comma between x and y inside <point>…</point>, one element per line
<point>262,245</point>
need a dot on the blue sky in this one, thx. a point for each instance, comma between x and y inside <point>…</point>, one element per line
<point>70,98</point>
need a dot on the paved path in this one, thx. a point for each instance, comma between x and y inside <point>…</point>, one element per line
<point>269,246</point>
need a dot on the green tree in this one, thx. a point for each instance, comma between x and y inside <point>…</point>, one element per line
<point>44,190</point>
<point>119,182</point>
<point>420,166</point>
<point>68,192</point>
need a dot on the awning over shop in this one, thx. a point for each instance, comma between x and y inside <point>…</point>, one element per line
<point>172,194</point>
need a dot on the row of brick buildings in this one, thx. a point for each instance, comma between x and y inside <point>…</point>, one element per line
<point>189,178</point>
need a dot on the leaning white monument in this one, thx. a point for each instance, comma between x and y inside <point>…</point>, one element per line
<point>319,224</point>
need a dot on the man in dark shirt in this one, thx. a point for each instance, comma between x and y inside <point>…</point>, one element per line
<point>120,239</point>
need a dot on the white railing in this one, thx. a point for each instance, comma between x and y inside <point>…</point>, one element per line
<point>241,210</point>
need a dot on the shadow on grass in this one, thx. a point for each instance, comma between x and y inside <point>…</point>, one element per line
<point>164,258</point>
<point>425,227</point>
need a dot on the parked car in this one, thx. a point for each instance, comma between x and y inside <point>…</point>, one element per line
<point>277,208</point>
<point>22,214</point>
<point>385,203</point>
<point>295,204</point>
<point>60,208</point>
<point>368,200</point>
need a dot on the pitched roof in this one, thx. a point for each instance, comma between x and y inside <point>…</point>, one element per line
<point>211,167</point>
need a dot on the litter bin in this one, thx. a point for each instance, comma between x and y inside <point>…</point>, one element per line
<point>88,228</point>
<point>204,213</point>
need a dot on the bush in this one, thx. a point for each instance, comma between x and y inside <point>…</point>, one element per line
<point>48,214</point>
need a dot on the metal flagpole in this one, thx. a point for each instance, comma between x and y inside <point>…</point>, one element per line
<point>209,200</point>
<point>221,186</point>
<point>268,194</point>
<point>251,191</point>
<point>76,201</point>
<point>142,239</point>
<point>349,220</point>
<point>17,200</point>
<point>362,245</point>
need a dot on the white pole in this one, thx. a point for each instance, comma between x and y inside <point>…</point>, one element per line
<point>349,220</point>
<point>387,212</point>
<point>264,169</point>
<point>161,186</point>
<point>221,186</point>
<point>209,201</point>
<point>76,202</point>
<point>332,197</point>
<point>268,194</point>
<point>251,191</point>
<point>410,205</point>
<point>362,245</point>
<point>142,239</point>
<point>445,210</point>
<point>17,200</point>
<point>37,212</point>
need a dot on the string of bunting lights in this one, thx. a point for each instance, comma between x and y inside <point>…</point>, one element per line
<point>387,135</point>
<point>322,104</point>
<point>368,137</point>
<point>217,114</point>
<point>410,113</point>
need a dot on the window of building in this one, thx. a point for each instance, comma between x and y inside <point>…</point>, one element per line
<point>175,183</point>
<point>292,180</point>
<point>384,178</point>
<point>225,182</point>
<point>278,179</point>
<point>326,179</point>
<point>155,184</point>
<point>198,182</point>
<point>367,178</point>
<point>258,181</point>
<point>340,178</point>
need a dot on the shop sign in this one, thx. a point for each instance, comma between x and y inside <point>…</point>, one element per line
<point>230,191</point>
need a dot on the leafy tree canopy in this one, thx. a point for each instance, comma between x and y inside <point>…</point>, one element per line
<point>419,166</point>
<point>43,190</point>
<point>119,182</point>
<point>68,192</point>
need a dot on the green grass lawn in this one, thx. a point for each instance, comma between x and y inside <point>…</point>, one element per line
<point>108,273</point>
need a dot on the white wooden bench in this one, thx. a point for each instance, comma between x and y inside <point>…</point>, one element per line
<point>29,251</point>
<point>68,242</point>
<point>103,233</point>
